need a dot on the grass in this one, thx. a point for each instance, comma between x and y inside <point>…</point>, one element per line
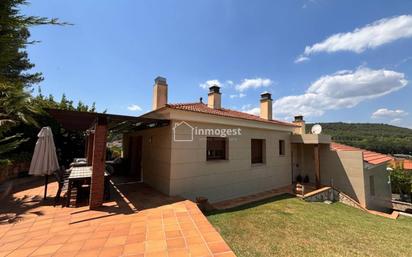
<point>287,226</point>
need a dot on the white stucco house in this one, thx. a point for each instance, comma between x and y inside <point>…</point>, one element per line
<point>210,151</point>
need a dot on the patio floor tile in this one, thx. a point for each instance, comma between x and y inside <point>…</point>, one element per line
<point>178,253</point>
<point>22,252</point>
<point>71,247</point>
<point>94,244</point>
<point>228,254</point>
<point>136,248</point>
<point>194,240</point>
<point>173,234</point>
<point>89,253</point>
<point>114,241</point>
<point>199,250</point>
<point>212,237</point>
<point>176,243</point>
<point>47,249</point>
<point>155,245</point>
<point>66,254</point>
<point>111,251</point>
<point>219,247</point>
<point>156,254</point>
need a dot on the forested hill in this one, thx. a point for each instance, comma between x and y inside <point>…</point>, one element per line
<point>381,138</point>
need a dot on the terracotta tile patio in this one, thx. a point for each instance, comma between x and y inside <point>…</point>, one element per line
<point>139,221</point>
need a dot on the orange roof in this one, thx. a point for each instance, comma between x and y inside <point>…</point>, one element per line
<point>368,156</point>
<point>407,164</point>
<point>202,108</point>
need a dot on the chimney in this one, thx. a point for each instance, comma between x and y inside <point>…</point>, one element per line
<point>214,97</point>
<point>266,106</point>
<point>299,121</point>
<point>159,93</point>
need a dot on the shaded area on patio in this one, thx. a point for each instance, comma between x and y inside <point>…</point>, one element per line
<point>137,220</point>
<point>25,200</point>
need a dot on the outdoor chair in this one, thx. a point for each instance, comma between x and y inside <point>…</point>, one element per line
<point>62,176</point>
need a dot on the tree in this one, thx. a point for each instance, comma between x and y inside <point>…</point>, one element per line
<point>401,181</point>
<point>15,107</point>
<point>15,79</point>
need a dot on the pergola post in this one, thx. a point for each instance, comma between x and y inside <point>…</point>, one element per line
<point>317,164</point>
<point>89,147</point>
<point>98,163</point>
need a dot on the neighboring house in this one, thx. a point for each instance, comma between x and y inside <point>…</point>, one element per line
<point>407,165</point>
<point>402,163</point>
<point>224,154</point>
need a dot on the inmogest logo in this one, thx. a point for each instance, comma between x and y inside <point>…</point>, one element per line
<point>183,132</point>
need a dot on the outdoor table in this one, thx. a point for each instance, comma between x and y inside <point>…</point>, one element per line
<point>84,173</point>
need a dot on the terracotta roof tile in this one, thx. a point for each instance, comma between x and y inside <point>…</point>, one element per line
<point>368,156</point>
<point>407,164</point>
<point>203,108</point>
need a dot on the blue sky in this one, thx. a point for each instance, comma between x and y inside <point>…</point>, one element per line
<point>357,66</point>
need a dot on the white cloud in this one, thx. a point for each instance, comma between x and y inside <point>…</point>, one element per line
<point>384,113</point>
<point>403,61</point>
<point>248,108</point>
<point>344,89</point>
<point>240,95</point>
<point>253,83</point>
<point>368,37</point>
<point>396,121</point>
<point>301,58</point>
<point>134,108</point>
<point>210,83</point>
<point>307,3</point>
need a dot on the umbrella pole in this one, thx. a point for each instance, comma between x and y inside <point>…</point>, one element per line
<point>46,181</point>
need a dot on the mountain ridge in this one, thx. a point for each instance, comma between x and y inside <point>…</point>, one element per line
<point>378,137</point>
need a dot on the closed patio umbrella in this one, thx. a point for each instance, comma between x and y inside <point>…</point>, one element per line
<point>44,161</point>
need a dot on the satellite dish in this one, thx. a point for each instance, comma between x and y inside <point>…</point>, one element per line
<point>316,129</point>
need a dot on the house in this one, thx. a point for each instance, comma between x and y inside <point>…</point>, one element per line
<point>210,151</point>
<point>407,165</point>
<point>359,173</point>
<point>402,163</point>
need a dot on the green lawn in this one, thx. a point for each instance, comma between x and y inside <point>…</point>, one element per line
<point>286,226</point>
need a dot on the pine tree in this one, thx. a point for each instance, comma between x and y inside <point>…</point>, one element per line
<point>16,79</point>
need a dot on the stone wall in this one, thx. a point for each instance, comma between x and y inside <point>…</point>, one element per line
<point>331,194</point>
<point>13,170</point>
<point>402,206</point>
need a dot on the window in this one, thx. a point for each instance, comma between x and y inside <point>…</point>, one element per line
<point>282,147</point>
<point>216,148</point>
<point>257,150</point>
<point>372,185</point>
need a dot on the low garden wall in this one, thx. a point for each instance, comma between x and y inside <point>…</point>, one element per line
<point>402,206</point>
<point>13,170</point>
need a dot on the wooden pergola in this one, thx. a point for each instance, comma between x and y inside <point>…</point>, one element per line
<point>96,126</point>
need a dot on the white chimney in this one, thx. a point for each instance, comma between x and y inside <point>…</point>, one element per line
<point>159,93</point>
<point>214,99</point>
<point>266,106</point>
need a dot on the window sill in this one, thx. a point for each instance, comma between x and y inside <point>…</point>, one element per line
<point>216,161</point>
<point>256,165</point>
